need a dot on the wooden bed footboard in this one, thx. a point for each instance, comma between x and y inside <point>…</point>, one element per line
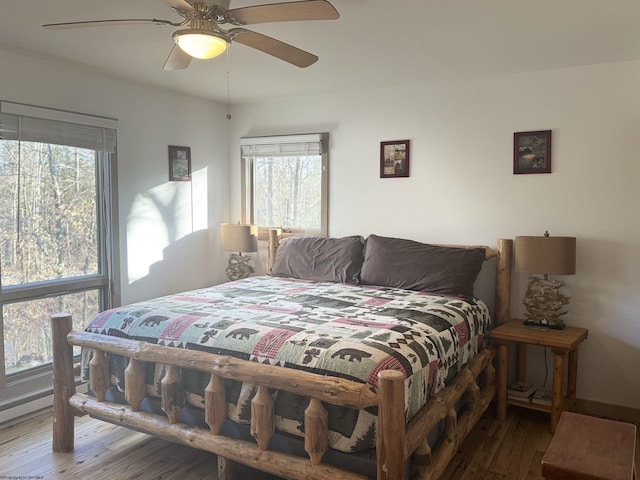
<point>396,440</point>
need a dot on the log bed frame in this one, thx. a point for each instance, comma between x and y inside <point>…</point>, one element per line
<point>397,440</point>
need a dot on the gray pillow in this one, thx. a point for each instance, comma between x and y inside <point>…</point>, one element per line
<point>320,259</point>
<point>395,262</point>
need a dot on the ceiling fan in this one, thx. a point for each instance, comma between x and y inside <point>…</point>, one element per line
<point>203,37</point>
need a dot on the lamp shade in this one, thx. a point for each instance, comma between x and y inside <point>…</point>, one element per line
<point>546,255</point>
<point>238,238</point>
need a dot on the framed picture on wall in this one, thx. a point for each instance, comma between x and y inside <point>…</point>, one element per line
<point>394,159</point>
<point>179,164</point>
<point>532,152</point>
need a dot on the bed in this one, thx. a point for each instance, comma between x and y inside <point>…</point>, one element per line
<point>353,359</point>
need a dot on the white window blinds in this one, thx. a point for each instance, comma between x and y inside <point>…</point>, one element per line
<point>282,146</point>
<point>27,123</point>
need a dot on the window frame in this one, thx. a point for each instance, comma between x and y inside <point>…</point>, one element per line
<point>247,172</point>
<point>32,383</point>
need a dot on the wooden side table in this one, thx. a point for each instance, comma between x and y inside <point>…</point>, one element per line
<point>561,342</point>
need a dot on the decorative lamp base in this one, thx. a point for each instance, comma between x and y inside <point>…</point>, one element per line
<point>544,303</point>
<point>239,267</point>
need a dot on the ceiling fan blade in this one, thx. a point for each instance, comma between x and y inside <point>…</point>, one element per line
<point>180,5</point>
<point>282,12</point>
<point>271,46</point>
<point>108,23</point>
<point>178,59</point>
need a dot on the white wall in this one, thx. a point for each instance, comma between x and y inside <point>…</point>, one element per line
<point>168,230</point>
<point>462,188</point>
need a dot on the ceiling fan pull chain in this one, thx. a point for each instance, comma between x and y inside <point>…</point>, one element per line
<point>228,87</point>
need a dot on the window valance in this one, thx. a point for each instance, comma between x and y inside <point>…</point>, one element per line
<point>28,123</point>
<point>282,146</point>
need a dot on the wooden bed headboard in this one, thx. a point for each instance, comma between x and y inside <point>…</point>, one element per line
<point>503,253</point>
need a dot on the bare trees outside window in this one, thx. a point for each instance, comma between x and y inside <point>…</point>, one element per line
<point>287,192</point>
<point>48,230</point>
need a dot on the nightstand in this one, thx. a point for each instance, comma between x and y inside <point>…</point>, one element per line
<point>561,343</point>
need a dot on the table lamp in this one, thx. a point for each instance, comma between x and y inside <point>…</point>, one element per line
<point>235,237</point>
<point>545,256</point>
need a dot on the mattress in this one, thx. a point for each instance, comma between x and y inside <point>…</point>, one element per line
<point>348,331</point>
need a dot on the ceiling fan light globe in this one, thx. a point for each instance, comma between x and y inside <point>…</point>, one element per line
<point>202,45</point>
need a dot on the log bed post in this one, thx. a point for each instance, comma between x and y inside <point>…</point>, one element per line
<point>504,261</point>
<point>390,436</point>
<point>272,247</point>
<point>64,386</point>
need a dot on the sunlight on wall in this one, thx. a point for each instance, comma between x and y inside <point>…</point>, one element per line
<point>162,216</point>
<point>200,200</point>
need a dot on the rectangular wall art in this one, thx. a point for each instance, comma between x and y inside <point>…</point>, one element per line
<point>532,152</point>
<point>179,164</point>
<point>394,159</point>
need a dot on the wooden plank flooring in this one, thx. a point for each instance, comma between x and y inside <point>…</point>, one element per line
<point>494,450</point>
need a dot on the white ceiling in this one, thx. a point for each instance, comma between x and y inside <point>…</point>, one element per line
<point>374,43</point>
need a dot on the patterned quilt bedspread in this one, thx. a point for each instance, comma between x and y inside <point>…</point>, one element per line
<point>349,331</point>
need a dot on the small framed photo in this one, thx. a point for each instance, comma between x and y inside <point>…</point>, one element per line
<point>394,159</point>
<point>179,164</point>
<point>532,152</point>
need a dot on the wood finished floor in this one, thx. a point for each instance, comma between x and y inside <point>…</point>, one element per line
<point>493,450</point>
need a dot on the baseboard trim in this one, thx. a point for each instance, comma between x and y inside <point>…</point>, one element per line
<point>20,408</point>
<point>607,410</point>
<point>18,413</point>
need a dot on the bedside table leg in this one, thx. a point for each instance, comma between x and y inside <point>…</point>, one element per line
<point>556,392</point>
<point>501,387</point>
<point>572,377</point>
<point>521,364</point>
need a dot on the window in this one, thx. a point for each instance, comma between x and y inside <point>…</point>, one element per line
<point>56,219</point>
<point>285,182</point>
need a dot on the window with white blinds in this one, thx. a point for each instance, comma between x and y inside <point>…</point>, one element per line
<point>285,182</point>
<point>57,215</point>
